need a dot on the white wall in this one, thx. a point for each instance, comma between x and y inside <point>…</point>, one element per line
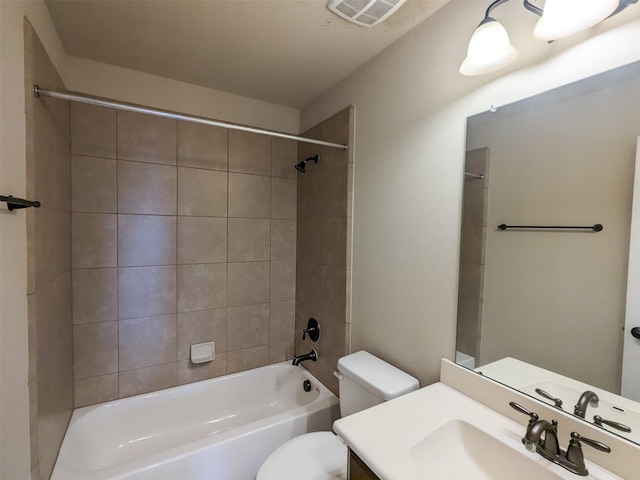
<point>411,108</point>
<point>91,78</point>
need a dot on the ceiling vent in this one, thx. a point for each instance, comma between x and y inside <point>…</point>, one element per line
<point>366,13</point>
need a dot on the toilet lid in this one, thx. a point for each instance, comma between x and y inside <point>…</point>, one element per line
<point>313,456</point>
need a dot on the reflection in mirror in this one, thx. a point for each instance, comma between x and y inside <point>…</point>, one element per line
<point>551,301</point>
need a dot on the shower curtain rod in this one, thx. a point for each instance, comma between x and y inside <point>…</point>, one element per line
<point>79,97</point>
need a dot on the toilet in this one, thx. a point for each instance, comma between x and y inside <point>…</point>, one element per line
<point>364,381</point>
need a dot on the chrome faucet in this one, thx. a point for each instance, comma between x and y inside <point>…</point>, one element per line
<point>542,438</point>
<point>312,355</point>
<point>586,399</point>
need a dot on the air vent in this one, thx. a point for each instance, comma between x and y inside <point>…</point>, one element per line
<point>366,13</point>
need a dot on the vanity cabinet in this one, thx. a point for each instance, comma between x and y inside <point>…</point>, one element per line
<point>358,470</point>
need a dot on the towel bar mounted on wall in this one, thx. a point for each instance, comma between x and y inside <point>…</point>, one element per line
<point>14,203</point>
<point>596,228</point>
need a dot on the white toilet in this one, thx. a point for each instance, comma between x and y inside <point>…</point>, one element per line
<point>365,381</point>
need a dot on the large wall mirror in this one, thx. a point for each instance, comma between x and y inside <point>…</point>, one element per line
<point>543,309</point>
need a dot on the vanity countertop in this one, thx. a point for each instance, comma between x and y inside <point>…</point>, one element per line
<point>421,435</point>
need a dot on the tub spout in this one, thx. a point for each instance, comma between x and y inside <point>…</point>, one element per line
<point>312,355</point>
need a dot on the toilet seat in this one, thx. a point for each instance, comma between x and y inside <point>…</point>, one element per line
<point>312,456</point>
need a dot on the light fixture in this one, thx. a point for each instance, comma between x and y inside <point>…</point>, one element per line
<point>490,50</point>
<point>562,18</point>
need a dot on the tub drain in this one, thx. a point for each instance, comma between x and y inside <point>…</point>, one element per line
<point>306,385</point>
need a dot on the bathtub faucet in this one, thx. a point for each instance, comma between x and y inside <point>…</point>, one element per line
<point>312,355</point>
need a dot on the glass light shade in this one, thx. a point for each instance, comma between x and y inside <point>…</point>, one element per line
<point>489,50</point>
<point>562,18</point>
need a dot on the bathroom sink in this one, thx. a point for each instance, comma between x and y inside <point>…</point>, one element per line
<point>439,433</point>
<point>457,449</point>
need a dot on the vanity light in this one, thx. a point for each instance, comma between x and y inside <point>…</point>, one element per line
<point>562,18</point>
<point>490,50</point>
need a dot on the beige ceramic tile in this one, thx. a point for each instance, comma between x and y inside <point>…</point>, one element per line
<point>282,317</point>
<point>149,379</point>
<point>200,327</point>
<point>469,318</point>
<point>332,197</point>
<point>202,146</point>
<point>90,391</point>
<point>333,293</point>
<point>94,240</point>
<point>309,239</point>
<point>146,240</point>
<point>247,359</point>
<point>93,184</point>
<point>202,240</point>
<point>249,153</point>
<point>202,287</point>
<point>474,208</point>
<point>283,239</point>
<point>95,349</point>
<point>146,291</point>
<point>248,283</point>
<point>144,342</point>
<point>471,282</point>
<point>283,281</point>
<point>146,189</point>
<point>191,372</point>
<point>249,239</point>
<point>284,157</point>
<point>249,196</point>
<point>330,346</point>
<point>202,192</point>
<point>93,130</point>
<point>333,242</point>
<point>473,244</point>
<point>281,352</point>
<point>95,295</point>
<point>308,284</point>
<point>283,198</point>
<point>247,326</point>
<point>146,138</point>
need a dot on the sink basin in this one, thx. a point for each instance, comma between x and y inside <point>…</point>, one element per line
<point>457,450</point>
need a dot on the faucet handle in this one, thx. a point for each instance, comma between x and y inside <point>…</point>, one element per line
<point>588,441</point>
<point>598,420</point>
<point>574,454</point>
<point>533,416</point>
<point>313,329</point>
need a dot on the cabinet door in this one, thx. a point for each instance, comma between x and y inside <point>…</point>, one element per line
<point>358,470</point>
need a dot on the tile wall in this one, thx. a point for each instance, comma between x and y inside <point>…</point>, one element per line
<point>325,214</point>
<point>182,233</point>
<point>472,253</point>
<point>48,260</point>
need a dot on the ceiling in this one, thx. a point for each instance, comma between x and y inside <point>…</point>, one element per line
<point>281,51</point>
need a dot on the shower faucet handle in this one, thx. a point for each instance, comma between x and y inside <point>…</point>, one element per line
<point>313,329</point>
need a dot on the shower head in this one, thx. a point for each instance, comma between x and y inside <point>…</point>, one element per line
<point>300,166</point>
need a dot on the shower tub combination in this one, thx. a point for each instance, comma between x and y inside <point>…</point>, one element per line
<point>218,429</point>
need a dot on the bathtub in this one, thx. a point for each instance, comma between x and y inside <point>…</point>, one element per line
<point>218,429</point>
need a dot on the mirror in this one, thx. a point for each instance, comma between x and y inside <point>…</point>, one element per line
<point>551,301</point>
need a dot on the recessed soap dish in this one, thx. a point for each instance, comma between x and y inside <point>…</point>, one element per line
<point>203,352</point>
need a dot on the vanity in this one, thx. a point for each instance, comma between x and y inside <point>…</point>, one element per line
<point>440,432</point>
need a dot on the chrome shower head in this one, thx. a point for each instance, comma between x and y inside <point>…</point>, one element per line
<point>300,166</point>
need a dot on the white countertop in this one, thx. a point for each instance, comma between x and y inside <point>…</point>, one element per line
<point>385,437</point>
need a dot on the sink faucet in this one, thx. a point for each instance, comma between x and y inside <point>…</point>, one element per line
<point>312,355</point>
<point>586,399</point>
<point>542,438</point>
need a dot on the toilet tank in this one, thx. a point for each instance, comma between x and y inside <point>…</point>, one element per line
<point>366,381</point>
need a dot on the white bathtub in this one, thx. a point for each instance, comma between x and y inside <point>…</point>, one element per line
<point>218,429</point>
